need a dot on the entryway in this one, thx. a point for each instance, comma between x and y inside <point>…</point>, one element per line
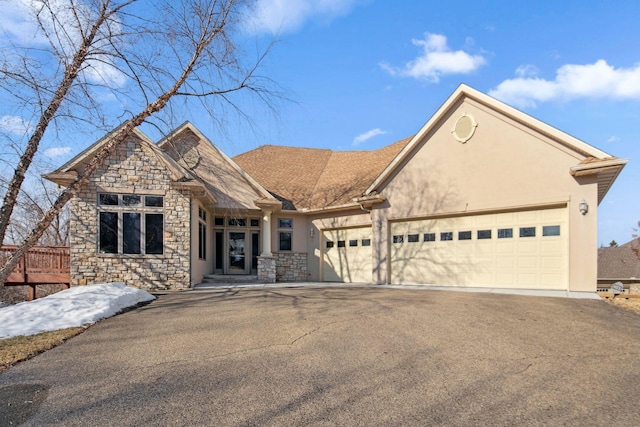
<point>236,246</point>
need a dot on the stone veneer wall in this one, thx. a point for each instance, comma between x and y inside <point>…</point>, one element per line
<point>291,266</point>
<point>136,170</point>
<point>266,269</point>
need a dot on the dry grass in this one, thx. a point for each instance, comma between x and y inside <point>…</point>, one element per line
<point>631,304</point>
<point>14,350</point>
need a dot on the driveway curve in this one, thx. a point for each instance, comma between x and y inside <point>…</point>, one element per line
<point>342,356</point>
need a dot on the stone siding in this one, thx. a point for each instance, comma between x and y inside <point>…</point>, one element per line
<point>131,169</point>
<point>266,269</point>
<point>291,267</point>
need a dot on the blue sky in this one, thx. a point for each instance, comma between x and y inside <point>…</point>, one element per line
<point>364,74</point>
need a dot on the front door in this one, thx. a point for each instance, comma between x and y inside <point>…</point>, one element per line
<point>237,252</point>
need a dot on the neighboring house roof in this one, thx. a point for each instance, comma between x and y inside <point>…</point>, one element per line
<point>592,160</point>
<point>620,262</point>
<point>311,178</point>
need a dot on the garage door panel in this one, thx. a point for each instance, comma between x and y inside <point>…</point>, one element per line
<point>505,262</point>
<point>549,262</point>
<point>526,216</point>
<point>505,279</point>
<point>552,215</point>
<point>527,279</point>
<point>548,279</point>
<point>505,248</point>
<point>346,256</point>
<point>528,247</point>
<point>551,246</point>
<point>509,261</point>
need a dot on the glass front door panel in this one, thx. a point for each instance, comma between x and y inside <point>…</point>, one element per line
<point>237,258</point>
<point>255,250</point>
<point>219,264</point>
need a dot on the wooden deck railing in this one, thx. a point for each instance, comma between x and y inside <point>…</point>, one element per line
<point>41,265</point>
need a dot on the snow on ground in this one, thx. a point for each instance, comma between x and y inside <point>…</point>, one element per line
<point>78,306</point>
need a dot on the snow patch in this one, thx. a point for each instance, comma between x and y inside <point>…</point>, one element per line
<point>78,306</point>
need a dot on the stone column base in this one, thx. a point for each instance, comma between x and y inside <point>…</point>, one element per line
<point>267,269</point>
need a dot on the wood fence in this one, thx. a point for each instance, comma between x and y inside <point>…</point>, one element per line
<point>41,265</point>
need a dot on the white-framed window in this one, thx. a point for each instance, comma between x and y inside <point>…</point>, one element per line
<point>202,233</point>
<point>131,224</point>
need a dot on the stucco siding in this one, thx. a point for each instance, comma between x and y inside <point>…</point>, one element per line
<point>504,166</point>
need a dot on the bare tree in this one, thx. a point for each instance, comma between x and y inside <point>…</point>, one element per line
<point>31,205</point>
<point>141,57</point>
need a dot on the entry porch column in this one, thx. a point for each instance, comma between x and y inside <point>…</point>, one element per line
<point>266,260</point>
<point>266,233</point>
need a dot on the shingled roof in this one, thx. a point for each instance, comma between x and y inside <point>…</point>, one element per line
<point>311,178</point>
<point>621,262</point>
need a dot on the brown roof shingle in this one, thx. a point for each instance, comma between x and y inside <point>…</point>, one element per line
<point>622,262</point>
<point>316,178</point>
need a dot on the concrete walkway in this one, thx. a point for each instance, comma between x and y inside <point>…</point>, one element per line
<point>507,291</point>
<point>340,356</point>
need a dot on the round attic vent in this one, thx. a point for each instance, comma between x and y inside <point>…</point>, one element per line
<point>189,156</point>
<point>464,128</point>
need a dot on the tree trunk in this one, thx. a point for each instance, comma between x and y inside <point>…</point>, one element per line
<point>120,136</point>
<point>70,75</point>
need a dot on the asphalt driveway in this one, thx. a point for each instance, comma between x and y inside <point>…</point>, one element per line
<point>340,356</point>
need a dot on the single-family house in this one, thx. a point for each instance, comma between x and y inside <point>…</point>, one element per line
<point>620,264</point>
<point>482,195</point>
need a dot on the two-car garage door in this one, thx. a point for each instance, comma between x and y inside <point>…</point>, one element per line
<point>510,250</point>
<point>525,249</point>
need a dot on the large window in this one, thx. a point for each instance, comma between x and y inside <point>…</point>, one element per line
<point>130,224</point>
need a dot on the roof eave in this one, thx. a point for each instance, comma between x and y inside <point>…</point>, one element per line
<point>269,204</point>
<point>597,167</point>
<point>61,178</point>
<point>199,191</point>
<point>347,206</point>
<point>369,200</point>
<point>605,171</point>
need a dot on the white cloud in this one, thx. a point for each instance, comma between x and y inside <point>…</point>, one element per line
<point>597,80</point>
<point>57,151</point>
<point>18,24</point>
<point>613,138</point>
<point>368,135</point>
<point>15,125</point>
<point>437,59</point>
<point>527,70</point>
<point>279,16</point>
<point>20,27</point>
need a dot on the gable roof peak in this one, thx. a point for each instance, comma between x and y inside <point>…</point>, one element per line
<point>464,91</point>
